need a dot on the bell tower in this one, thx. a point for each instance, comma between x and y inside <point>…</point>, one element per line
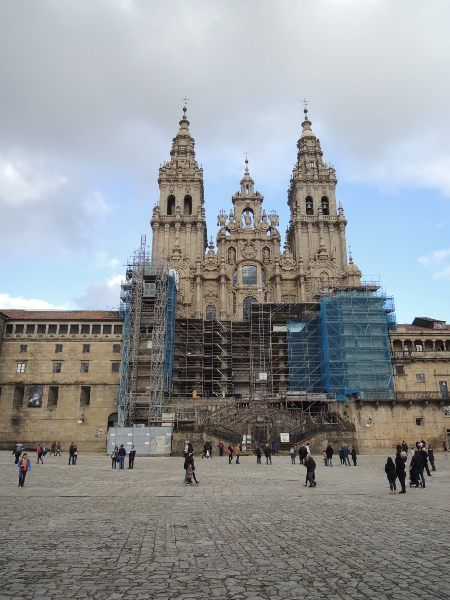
<point>316,233</point>
<point>178,220</point>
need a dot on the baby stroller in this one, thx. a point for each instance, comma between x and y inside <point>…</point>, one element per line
<point>412,477</point>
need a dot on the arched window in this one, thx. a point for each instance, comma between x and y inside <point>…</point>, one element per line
<point>210,312</point>
<point>263,277</point>
<point>325,205</point>
<point>171,205</point>
<point>249,275</point>
<point>246,306</point>
<point>187,205</point>
<point>309,205</point>
<point>235,277</point>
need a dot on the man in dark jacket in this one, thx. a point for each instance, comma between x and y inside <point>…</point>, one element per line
<point>329,452</point>
<point>417,464</point>
<point>122,454</point>
<point>400,470</point>
<point>424,454</point>
<point>310,471</point>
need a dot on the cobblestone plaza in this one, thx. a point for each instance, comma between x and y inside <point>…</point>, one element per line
<point>247,531</point>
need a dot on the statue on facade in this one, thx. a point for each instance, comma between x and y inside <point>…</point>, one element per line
<point>247,219</point>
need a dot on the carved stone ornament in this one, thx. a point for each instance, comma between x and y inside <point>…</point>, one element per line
<point>287,261</point>
<point>288,298</point>
<point>247,249</point>
<point>211,263</point>
<point>210,296</point>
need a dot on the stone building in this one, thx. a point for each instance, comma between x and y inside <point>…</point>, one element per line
<point>59,376</point>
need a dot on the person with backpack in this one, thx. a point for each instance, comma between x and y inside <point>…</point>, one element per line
<point>40,452</point>
<point>18,449</point>
<point>72,450</point>
<point>24,466</point>
<point>310,465</point>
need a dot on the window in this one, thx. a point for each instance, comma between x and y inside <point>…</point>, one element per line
<point>118,329</point>
<point>420,377</point>
<point>171,205</point>
<point>85,395</point>
<point>399,370</point>
<point>63,329</point>
<point>86,348</point>
<point>263,277</point>
<point>23,348</point>
<point>249,275</point>
<point>311,164</point>
<point>41,328</point>
<point>84,367</point>
<point>31,329</point>
<point>19,394</point>
<point>187,208</point>
<point>419,421</point>
<point>246,306</point>
<point>210,312</point>
<point>107,329</point>
<point>116,348</point>
<point>9,328</point>
<point>58,348</point>
<point>115,366</point>
<point>234,304</point>
<point>325,205</point>
<point>74,329</point>
<point>86,329</point>
<point>52,329</point>
<point>20,368</point>
<point>309,206</point>
<point>235,278</point>
<point>19,329</point>
<point>53,393</point>
<point>57,367</point>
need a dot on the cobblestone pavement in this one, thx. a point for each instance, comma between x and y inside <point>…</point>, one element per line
<point>247,531</point>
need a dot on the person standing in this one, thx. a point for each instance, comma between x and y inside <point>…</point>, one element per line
<point>345,453</point>
<point>114,457</point>
<point>391,474</point>
<point>353,455</point>
<point>72,453</point>
<point>237,451</point>
<point>274,448</point>
<point>401,471</point>
<point>122,454</point>
<point>444,447</point>
<point>131,456</point>
<point>310,471</point>
<point>230,454</point>
<point>267,454</point>
<point>220,448</point>
<point>18,449</point>
<point>424,454</point>
<point>24,465</point>
<point>431,458</point>
<point>53,450</point>
<point>329,451</point>
<point>292,452</point>
<point>405,448</point>
<point>258,453</point>
<point>418,465</point>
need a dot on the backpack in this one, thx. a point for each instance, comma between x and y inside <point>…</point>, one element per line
<point>24,466</point>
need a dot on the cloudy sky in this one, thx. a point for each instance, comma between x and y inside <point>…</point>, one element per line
<point>91,99</point>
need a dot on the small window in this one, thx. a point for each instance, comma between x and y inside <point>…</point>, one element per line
<point>116,348</point>
<point>171,205</point>
<point>63,329</point>
<point>52,329</point>
<point>187,206</point>
<point>20,367</point>
<point>31,329</point>
<point>84,368</point>
<point>58,348</point>
<point>118,329</point>
<point>325,205</point>
<point>419,421</point>
<point>23,349</point>
<point>85,395</point>
<point>86,348</point>
<point>400,370</point>
<point>9,328</point>
<point>107,329</point>
<point>115,367</point>
<point>53,393</point>
<point>311,164</point>
<point>86,329</point>
<point>309,206</point>
<point>74,329</point>
<point>19,329</point>
<point>96,329</point>
<point>41,329</point>
<point>57,367</point>
<point>420,377</point>
<point>210,312</point>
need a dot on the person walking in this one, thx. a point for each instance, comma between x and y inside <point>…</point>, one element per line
<point>24,465</point>
<point>230,454</point>
<point>72,453</point>
<point>345,453</point>
<point>39,453</point>
<point>267,454</point>
<point>53,450</point>
<point>431,458</point>
<point>329,451</point>
<point>418,465</point>
<point>122,454</point>
<point>353,455</point>
<point>237,451</point>
<point>444,447</point>
<point>391,474</point>
<point>18,449</point>
<point>310,471</point>
<point>258,452</point>
<point>131,457</point>
<point>292,453</point>
<point>58,449</point>
<point>401,471</point>
<point>424,454</point>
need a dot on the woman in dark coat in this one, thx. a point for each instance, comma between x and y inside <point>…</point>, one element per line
<point>353,455</point>
<point>401,471</point>
<point>391,475</point>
